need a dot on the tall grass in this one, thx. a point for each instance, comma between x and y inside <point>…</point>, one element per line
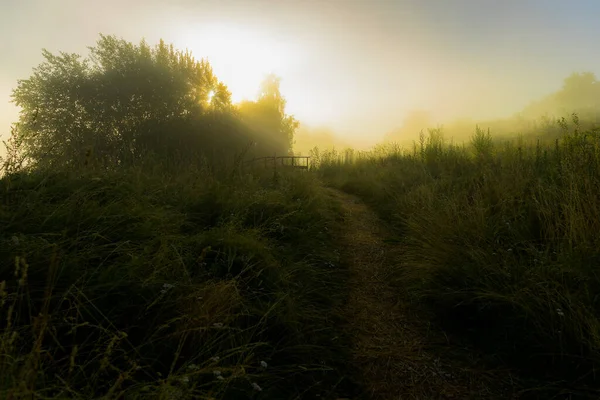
<point>501,244</point>
<point>140,283</point>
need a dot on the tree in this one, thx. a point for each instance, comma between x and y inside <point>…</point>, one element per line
<point>274,129</point>
<point>580,91</point>
<point>579,94</point>
<point>55,122</point>
<point>123,102</point>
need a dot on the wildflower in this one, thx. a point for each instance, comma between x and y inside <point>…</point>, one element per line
<point>216,372</point>
<point>166,287</point>
<point>220,378</point>
<point>263,364</point>
<point>216,358</point>
<point>560,312</point>
<point>256,387</point>
<point>185,379</point>
<point>193,367</point>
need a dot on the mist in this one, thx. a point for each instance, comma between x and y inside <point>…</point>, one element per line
<point>358,71</point>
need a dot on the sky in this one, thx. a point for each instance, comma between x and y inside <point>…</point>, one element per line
<point>357,67</point>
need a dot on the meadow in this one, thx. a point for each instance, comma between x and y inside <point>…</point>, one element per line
<point>227,283</point>
<point>143,256</point>
<point>500,244</point>
<point>195,284</point>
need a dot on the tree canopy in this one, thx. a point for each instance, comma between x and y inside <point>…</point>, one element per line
<point>580,93</point>
<point>267,117</point>
<point>125,101</point>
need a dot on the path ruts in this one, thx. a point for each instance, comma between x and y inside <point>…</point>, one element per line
<point>398,355</point>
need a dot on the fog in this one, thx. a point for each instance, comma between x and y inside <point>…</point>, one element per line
<point>352,71</point>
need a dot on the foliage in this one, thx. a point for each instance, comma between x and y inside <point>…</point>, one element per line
<point>266,116</point>
<point>125,101</point>
<point>579,94</point>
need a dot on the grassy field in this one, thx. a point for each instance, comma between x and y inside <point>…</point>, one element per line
<point>218,283</point>
<point>193,284</point>
<point>501,245</point>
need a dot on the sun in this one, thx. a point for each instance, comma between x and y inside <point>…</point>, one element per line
<point>240,57</point>
<point>211,94</point>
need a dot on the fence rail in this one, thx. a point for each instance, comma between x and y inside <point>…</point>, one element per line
<point>298,162</point>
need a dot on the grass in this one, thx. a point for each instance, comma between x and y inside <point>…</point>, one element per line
<point>209,282</point>
<point>500,246</point>
<point>147,284</point>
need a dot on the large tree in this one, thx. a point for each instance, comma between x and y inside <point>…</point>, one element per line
<point>122,102</point>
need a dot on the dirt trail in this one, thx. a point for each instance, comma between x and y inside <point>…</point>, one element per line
<point>398,356</point>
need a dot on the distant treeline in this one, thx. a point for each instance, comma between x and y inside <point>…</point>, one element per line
<point>580,94</point>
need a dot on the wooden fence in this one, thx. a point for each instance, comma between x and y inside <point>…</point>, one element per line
<point>296,162</point>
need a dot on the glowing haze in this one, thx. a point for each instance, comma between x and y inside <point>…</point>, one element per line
<point>355,66</point>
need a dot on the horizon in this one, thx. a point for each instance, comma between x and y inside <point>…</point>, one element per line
<point>356,69</point>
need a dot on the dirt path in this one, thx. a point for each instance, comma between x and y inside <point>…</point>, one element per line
<point>398,356</point>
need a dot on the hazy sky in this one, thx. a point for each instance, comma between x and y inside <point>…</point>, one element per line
<point>356,66</point>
